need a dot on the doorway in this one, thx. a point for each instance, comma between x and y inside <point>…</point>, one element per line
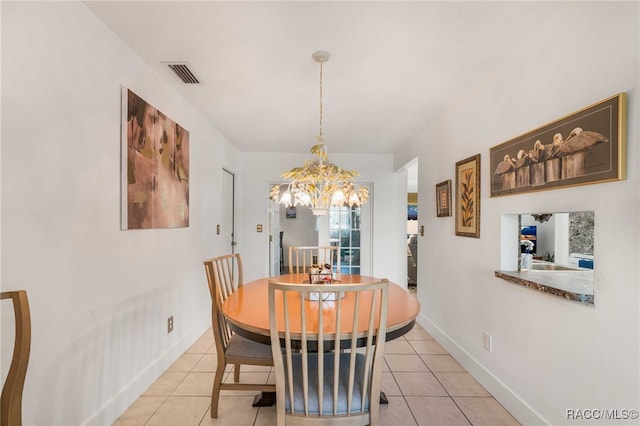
<point>412,225</point>
<point>350,229</point>
<point>228,229</point>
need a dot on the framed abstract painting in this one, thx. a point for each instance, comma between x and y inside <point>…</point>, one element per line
<point>155,167</point>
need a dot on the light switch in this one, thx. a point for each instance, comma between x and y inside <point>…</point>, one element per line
<point>259,228</point>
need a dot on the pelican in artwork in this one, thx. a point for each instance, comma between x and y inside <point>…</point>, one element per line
<point>580,140</point>
<point>538,153</point>
<point>522,159</point>
<point>505,166</point>
<point>552,148</point>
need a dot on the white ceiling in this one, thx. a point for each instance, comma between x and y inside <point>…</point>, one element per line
<point>393,64</point>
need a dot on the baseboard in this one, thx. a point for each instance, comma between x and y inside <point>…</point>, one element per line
<point>522,411</point>
<point>112,409</point>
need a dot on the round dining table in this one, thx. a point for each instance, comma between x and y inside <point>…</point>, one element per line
<point>247,309</point>
<point>247,312</point>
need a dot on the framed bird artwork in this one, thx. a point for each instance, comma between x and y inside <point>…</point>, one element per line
<point>585,147</point>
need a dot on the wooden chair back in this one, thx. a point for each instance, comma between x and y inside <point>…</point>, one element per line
<point>11,403</point>
<point>319,372</point>
<point>301,258</point>
<point>224,276</point>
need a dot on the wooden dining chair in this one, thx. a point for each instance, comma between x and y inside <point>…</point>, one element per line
<point>301,258</point>
<point>11,401</point>
<point>224,275</point>
<point>320,376</point>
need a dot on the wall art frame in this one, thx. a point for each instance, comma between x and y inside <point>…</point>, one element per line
<point>467,207</point>
<point>290,212</point>
<point>154,167</point>
<point>443,198</point>
<point>584,147</point>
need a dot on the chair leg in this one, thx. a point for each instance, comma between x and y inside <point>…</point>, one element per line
<point>215,394</point>
<point>236,373</point>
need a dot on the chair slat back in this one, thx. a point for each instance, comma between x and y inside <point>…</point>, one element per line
<point>224,276</point>
<point>301,258</point>
<point>313,337</point>
<point>11,400</point>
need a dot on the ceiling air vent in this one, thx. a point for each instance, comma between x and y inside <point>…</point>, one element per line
<point>181,69</point>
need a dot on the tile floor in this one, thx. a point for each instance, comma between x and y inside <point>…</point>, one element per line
<point>424,385</point>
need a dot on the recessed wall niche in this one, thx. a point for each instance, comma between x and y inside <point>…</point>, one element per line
<point>562,249</point>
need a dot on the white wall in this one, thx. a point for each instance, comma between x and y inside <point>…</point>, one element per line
<point>549,354</point>
<point>546,238</point>
<point>100,297</point>
<point>388,201</point>
<point>298,231</point>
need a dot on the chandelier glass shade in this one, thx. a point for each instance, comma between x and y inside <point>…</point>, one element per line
<point>318,183</point>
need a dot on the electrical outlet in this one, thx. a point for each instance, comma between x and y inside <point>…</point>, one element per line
<point>487,341</point>
<point>170,324</point>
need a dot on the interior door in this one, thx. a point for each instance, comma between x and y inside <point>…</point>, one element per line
<point>276,255</point>
<point>228,230</point>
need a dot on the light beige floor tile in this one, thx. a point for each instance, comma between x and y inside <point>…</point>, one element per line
<point>233,411</point>
<point>396,413</point>
<point>385,366</point>
<point>181,396</point>
<point>165,384</point>
<point>405,363</point>
<point>485,411</point>
<point>428,347</point>
<point>398,346</point>
<point>140,411</point>
<point>186,362</point>
<point>418,333</point>
<point>181,410</point>
<point>203,344</point>
<point>461,384</point>
<point>419,384</point>
<point>442,363</point>
<point>272,378</point>
<point>436,411</point>
<point>208,363</point>
<point>195,384</point>
<point>266,416</point>
<point>388,384</point>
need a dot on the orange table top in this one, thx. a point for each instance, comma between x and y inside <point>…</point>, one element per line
<point>247,310</point>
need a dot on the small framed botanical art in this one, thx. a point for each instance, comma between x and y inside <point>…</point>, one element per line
<point>443,198</point>
<point>468,197</point>
<point>291,212</point>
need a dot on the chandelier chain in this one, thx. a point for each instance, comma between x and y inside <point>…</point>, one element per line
<point>319,183</point>
<point>321,62</point>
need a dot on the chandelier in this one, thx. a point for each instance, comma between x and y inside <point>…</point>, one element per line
<point>318,183</point>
